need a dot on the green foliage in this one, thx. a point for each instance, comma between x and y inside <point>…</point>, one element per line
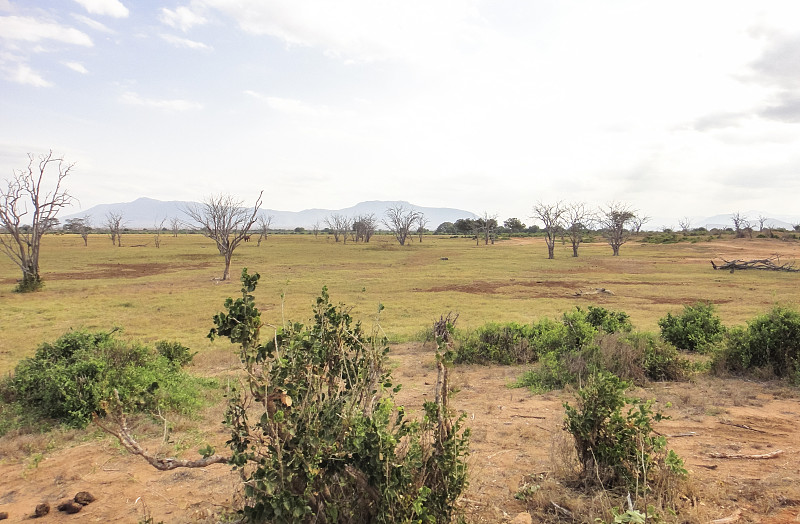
<point>178,354</point>
<point>29,284</point>
<point>608,321</point>
<point>771,340</point>
<point>67,380</point>
<point>614,436</point>
<point>695,329</point>
<point>315,432</point>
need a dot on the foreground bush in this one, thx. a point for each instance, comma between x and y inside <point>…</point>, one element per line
<point>66,381</point>
<point>771,340</point>
<point>618,447</point>
<point>315,432</point>
<point>695,329</point>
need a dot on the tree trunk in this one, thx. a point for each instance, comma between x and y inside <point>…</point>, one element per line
<point>574,250</point>
<point>227,274</point>
<point>615,249</point>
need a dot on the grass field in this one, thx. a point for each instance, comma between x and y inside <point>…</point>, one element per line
<point>172,292</point>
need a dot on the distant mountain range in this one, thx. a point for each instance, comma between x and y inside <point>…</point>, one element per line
<point>148,213</point>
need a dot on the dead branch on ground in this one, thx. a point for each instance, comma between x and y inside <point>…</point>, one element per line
<point>766,264</point>
<point>769,455</point>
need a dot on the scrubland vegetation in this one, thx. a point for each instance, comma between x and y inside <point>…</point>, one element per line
<point>314,421</point>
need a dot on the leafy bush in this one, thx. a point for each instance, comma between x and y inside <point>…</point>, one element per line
<point>614,447</point>
<point>315,432</point>
<point>175,352</point>
<point>67,380</point>
<point>771,340</point>
<point>693,330</point>
<point>608,321</point>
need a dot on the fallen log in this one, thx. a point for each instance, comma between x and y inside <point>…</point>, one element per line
<point>765,264</point>
<point>769,455</point>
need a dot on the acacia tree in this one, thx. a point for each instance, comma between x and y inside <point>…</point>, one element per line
<point>80,226</point>
<point>28,209</point>
<point>551,217</point>
<point>615,220</point>
<point>399,220</point>
<point>224,220</point>
<point>364,227</point>
<point>114,222</point>
<point>578,220</point>
<point>264,221</point>
<point>514,225</point>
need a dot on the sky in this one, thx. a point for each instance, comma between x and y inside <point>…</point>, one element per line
<point>676,108</point>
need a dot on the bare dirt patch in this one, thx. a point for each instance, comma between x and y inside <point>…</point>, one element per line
<point>515,434</point>
<point>100,271</point>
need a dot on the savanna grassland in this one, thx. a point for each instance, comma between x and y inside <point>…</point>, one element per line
<point>173,292</point>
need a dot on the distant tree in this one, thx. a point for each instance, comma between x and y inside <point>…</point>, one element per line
<point>114,223</point>
<point>638,221</point>
<point>446,228</point>
<point>364,227</point>
<point>485,227</point>
<point>685,224</point>
<point>399,221</point>
<point>223,219</point>
<point>339,225</point>
<point>158,227</point>
<point>514,225</point>
<point>615,219</point>
<point>175,226</point>
<point>551,217</point>
<point>80,226</point>
<point>300,230</point>
<point>465,226</point>
<point>30,197</point>
<point>315,228</point>
<point>264,221</point>
<point>740,224</point>
<point>422,222</point>
<point>578,219</point>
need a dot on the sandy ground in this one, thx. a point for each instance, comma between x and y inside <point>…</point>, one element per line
<point>514,435</point>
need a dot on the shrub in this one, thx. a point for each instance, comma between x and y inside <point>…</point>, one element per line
<point>695,329</point>
<point>175,352</point>
<point>614,447</point>
<point>771,340</point>
<point>66,380</point>
<point>608,321</point>
<point>316,434</point>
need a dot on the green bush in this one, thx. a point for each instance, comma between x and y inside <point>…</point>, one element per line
<point>614,447</point>
<point>771,340</point>
<point>695,329</point>
<point>607,320</point>
<point>316,434</point>
<point>66,381</point>
<point>175,352</point>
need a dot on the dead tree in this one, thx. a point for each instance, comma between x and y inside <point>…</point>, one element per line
<point>175,226</point>
<point>315,228</point>
<point>224,220</point>
<point>364,227</point>
<point>485,227</point>
<point>551,216</point>
<point>158,226</point>
<point>765,264</point>
<point>422,222</point>
<point>28,207</point>
<point>638,221</point>
<point>578,220</point>
<point>264,222</point>
<point>114,223</point>
<point>740,224</point>
<point>685,224</point>
<point>399,220</point>
<point>339,225</point>
<point>615,220</point>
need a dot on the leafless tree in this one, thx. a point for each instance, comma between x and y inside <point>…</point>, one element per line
<point>578,219</point>
<point>339,226</point>
<point>264,221</point>
<point>485,227</point>
<point>422,222</point>
<point>638,221</point>
<point>114,223</point>
<point>315,228</point>
<point>551,217</point>
<point>28,207</point>
<point>615,220</point>
<point>175,225</point>
<point>399,220</point>
<point>364,227</point>
<point>685,224</point>
<point>740,224</point>
<point>224,220</point>
<point>158,226</point>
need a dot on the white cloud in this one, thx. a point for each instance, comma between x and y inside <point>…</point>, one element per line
<point>113,8</point>
<point>77,67</point>
<point>32,30</point>
<point>94,24</point>
<point>185,42</point>
<point>291,106</point>
<point>23,74</point>
<point>172,105</point>
<point>181,18</point>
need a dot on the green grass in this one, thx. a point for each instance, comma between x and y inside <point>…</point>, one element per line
<point>171,292</point>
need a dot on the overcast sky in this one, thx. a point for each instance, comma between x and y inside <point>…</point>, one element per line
<point>680,108</point>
